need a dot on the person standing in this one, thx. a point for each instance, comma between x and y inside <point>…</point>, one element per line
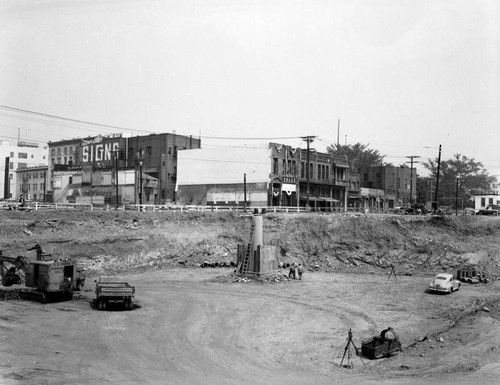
<point>300,270</point>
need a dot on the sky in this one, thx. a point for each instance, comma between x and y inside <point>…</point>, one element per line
<point>402,76</point>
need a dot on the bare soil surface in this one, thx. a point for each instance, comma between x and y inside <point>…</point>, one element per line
<point>193,325</point>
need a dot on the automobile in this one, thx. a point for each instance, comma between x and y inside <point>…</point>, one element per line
<point>489,210</point>
<point>444,283</point>
<point>416,209</point>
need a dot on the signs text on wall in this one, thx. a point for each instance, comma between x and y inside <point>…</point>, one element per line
<point>98,152</point>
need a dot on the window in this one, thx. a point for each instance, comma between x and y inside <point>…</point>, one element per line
<point>70,180</point>
<point>71,150</point>
<point>65,160</point>
<point>284,167</point>
<point>483,202</point>
<point>275,165</point>
<point>22,165</point>
<point>58,152</point>
<point>169,150</point>
<point>22,155</point>
<point>53,152</point>
<point>11,154</point>
<point>490,201</point>
<point>11,165</point>
<point>149,150</point>
<point>302,169</point>
<point>175,150</point>
<point>65,150</point>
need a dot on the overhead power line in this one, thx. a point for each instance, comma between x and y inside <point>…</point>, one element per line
<point>66,119</point>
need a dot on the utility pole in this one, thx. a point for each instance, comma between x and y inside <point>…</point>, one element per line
<point>456,199</point>
<point>245,192</point>
<point>308,140</point>
<point>116,176</point>
<point>411,157</point>
<point>435,203</point>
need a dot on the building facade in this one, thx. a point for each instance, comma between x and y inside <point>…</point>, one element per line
<point>399,185</point>
<point>32,183</point>
<point>16,157</point>
<point>262,175</point>
<point>482,201</point>
<point>116,168</point>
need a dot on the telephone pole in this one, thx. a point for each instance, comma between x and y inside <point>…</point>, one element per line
<point>435,203</point>
<point>308,140</point>
<point>411,157</point>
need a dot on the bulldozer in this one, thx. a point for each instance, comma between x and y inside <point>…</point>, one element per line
<point>46,279</point>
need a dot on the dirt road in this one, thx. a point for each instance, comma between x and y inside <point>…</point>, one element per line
<point>195,326</point>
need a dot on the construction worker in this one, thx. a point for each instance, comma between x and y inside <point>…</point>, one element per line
<point>291,273</point>
<point>300,270</point>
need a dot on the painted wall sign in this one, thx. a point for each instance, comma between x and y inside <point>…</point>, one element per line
<point>95,152</point>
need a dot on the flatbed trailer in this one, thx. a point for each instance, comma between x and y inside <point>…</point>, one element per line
<point>113,292</point>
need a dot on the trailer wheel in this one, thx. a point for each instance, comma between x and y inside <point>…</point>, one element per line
<point>104,305</point>
<point>99,304</point>
<point>128,304</point>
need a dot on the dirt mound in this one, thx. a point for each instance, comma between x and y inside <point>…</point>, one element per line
<point>111,242</point>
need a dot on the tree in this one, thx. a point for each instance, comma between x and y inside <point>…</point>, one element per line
<point>358,155</point>
<point>472,178</point>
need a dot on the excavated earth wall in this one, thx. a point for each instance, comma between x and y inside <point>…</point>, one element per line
<point>112,242</point>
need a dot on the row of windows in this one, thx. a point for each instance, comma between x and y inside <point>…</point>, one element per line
<point>322,170</point>
<point>34,175</point>
<point>62,151</point>
<point>490,202</point>
<point>33,186</point>
<point>64,160</point>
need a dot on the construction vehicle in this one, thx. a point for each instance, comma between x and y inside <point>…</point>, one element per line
<point>45,280</point>
<point>113,292</point>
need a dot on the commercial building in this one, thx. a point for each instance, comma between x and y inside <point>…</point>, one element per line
<point>14,157</point>
<point>387,187</point>
<point>116,168</point>
<point>262,175</point>
<point>32,183</point>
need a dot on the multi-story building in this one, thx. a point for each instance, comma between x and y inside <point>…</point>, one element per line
<point>15,157</point>
<point>117,168</point>
<point>32,183</point>
<point>262,175</point>
<point>399,185</point>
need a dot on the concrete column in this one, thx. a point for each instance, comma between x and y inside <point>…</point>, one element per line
<point>257,236</point>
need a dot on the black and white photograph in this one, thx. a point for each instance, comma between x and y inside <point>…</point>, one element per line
<point>216,192</point>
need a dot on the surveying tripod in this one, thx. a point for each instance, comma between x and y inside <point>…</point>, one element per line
<point>347,351</point>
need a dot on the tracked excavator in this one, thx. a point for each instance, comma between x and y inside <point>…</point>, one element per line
<point>46,279</point>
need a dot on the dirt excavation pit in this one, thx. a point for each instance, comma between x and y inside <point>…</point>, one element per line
<point>194,325</point>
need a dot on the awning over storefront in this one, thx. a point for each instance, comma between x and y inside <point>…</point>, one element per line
<point>311,199</point>
<point>330,200</point>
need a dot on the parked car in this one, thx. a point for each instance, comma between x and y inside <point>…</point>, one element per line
<point>489,210</point>
<point>416,209</point>
<point>444,283</point>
